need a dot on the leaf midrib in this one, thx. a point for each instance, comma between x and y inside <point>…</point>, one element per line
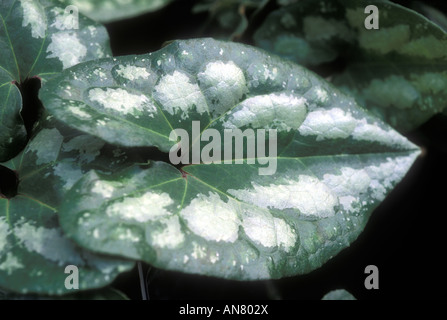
<point>291,158</point>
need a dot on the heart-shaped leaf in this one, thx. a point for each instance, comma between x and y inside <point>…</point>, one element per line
<point>38,39</point>
<point>248,214</point>
<point>112,10</point>
<point>397,71</point>
<point>33,249</point>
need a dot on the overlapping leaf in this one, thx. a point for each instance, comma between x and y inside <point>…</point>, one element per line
<point>397,71</point>
<point>264,215</point>
<point>229,19</point>
<point>33,249</point>
<point>431,13</point>
<point>112,10</point>
<point>37,39</point>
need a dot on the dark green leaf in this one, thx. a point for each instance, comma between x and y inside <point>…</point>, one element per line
<point>398,71</point>
<point>334,164</point>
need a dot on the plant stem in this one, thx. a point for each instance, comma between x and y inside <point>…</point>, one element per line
<point>144,294</point>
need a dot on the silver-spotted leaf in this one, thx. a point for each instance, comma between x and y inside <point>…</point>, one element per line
<point>244,216</point>
<point>112,10</point>
<point>36,39</point>
<point>398,71</point>
<point>33,248</point>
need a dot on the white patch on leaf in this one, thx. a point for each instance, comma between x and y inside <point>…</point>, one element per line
<point>46,145</point>
<point>169,237</point>
<point>430,82</point>
<point>128,235</point>
<point>34,16</point>
<point>224,85</point>
<point>338,124</point>
<point>373,133</point>
<point>100,73</point>
<point>177,94</point>
<point>261,227</point>
<point>434,48</point>
<point>198,252</point>
<point>348,202</point>
<point>394,91</point>
<point>348,186</point>
<point>88,147</point>
<point>4,232</point>
<point>270,74</point>
<point>49,243</point>
<point>385,40</point>
<point>373,181</point>
<point>132,72</point>
<point>93,30</point>
<point>279,111</point>
<point>148,207</point>
<point>122,101</point>
<point>322,95</point>
<point>285,235</point>
<point>104,188</point>
<point>60,19</point>
<point>349,182</point>
<point>211,218</point>
<point>309,195</point>
<point>67,47</point>
<point>317,28</point>
<point>11,264</point>
<point>328,124</point>
<point>80,113</point>
<point>387,174</point>
<point>69,173</point>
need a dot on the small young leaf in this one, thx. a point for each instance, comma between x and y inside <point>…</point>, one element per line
<point>37,40</point>
<point>397,71</point>
<point>33,249</point>
<point>338,295</point>
<point>334,162</point>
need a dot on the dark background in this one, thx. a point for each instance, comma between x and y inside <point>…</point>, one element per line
<point>405,237</point>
